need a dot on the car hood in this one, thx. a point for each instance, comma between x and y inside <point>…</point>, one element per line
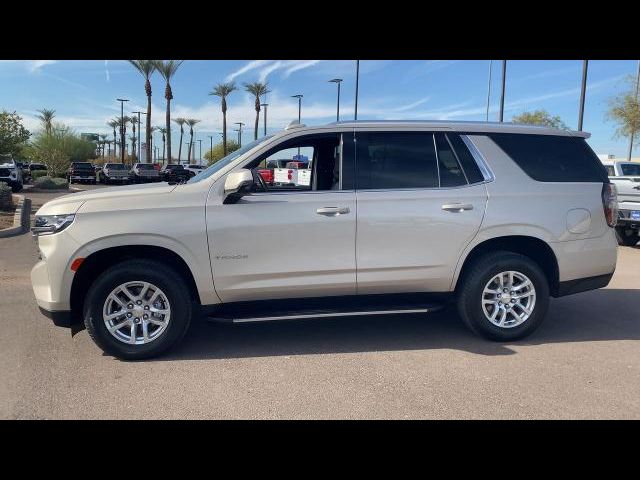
<point>71,203</point>
<point>7,165</point>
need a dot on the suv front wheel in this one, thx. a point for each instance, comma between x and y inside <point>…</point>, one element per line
<point>504,296</point>
<point>137,309</point>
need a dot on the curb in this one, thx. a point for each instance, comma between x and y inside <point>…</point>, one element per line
<point>21,217</point>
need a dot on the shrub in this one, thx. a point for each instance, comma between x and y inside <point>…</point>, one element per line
<point>39,173</point>
<point>49,183</point>
<point>5,196</point>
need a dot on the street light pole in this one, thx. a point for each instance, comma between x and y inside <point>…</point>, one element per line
<point>338,81</point>
<point>122,130</point>
<point>299,97</point>
<point>211,139</point>
<point>355,116</point>
<point>489,87</point>
<point>637,90</point>
<point>265,105</point>
<point>200,142</point>
<point>504,77</point>
<point>585,65</point>
<point>240,124</point>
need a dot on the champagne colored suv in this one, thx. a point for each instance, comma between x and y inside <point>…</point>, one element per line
<point>398,217</point>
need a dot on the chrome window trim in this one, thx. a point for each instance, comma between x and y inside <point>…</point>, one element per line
<point>480,161</point>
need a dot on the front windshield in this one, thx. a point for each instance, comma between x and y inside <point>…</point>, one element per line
<point>223,162</point>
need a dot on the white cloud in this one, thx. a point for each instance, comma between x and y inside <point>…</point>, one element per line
<point>35,66</point>
<point>106,70</point>
<point>267,67</point>
<point>247,68</point>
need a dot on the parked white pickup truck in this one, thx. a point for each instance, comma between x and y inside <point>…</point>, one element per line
<point>626,177</point>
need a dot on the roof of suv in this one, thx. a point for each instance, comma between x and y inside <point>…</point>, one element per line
<point>480,127</point>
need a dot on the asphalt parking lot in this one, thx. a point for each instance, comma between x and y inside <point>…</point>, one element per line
<point>584,362</point>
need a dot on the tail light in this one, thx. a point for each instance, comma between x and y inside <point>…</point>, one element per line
<point>290,174</point>
<point>610,203</point>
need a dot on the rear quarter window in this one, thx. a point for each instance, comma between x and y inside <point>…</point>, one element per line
<point>551,158</point>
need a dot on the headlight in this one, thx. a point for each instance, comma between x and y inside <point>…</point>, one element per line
<point>47,224</point>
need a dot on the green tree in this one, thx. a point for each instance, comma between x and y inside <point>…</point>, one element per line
<point>59,147</point>
<point>46,117</point>
<point>13,135</point>
<point>146,69</point>
<point>212,156</point>
<point>624,110</point>
<point>257,89</point>
<point>168,69</point>
<point>540,117</point>
<point>223,90</point>
<point>134,121</point>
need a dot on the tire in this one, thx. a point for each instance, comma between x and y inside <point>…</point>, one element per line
<point>172,289</point>
<point>471,295</point>
<point>16,187</point>
<point>627,236</point>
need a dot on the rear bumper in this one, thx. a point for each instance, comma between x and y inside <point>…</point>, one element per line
<point>570,287</point>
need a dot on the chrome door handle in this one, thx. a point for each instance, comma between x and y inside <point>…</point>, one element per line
<point>332,211</point>
<point>457,207</point>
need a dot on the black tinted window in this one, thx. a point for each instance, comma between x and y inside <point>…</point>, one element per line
<point>451,174</point>
<point>471,169</point>
<point>396,160</point>
<point>550,158</point>
<point>631,170</point>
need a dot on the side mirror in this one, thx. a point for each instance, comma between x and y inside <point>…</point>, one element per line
<point>235,185</point>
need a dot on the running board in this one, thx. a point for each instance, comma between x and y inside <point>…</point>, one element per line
<point>303,316</point>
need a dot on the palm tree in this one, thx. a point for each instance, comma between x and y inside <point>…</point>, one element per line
<point>257,89</point>
<point>133,121</point>
<point>223,90</point>
<point>151,130</point>
<point>133,139</point>
<point>146,69</point>
<point>46,117</point>
<point>113,124</point>
<point>122,125</point>
<point>167,69</point>
<point>103,141</point>
<point>191,122</point>
<point>180,121</point>
<point>163,131</point>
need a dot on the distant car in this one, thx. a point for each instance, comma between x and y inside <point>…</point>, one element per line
<point>81,172</point>
<point>626,177</point>
<point>114,173</point>
<point>267,175</point>
<point>174,172</point>
<point>143,172</point>
<point>10,173</point>
<point>194,169</point>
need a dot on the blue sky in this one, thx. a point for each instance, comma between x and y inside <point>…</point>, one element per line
<point>83,93</point>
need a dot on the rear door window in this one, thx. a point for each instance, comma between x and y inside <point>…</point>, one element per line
<point>552,158</point>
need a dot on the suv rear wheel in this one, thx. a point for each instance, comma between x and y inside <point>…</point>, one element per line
<point>504,296</point>
<point>137,309</point>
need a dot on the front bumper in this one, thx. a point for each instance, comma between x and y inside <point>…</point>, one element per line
<point>625,220</point>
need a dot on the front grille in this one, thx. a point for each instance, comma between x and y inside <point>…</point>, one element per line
<point>4,172</point>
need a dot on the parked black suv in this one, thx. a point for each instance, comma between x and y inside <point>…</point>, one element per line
<point>174,173</point>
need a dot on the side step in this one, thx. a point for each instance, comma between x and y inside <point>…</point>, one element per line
<point>266,311</point>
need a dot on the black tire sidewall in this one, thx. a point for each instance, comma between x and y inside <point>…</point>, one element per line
<point>470,301</point>
<point>627,240</point>
<point>149,271</point>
